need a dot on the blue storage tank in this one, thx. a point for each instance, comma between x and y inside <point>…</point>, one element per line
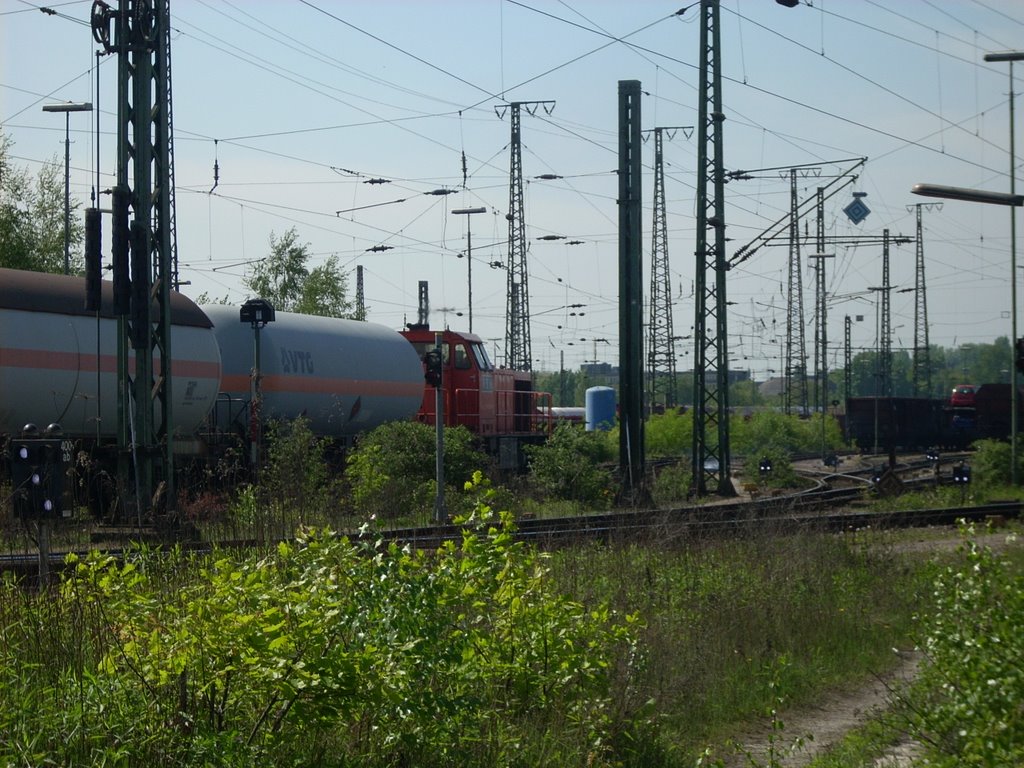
<point>600,404</point>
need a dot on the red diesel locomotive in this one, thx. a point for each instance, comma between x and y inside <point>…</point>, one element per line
<point>498,405</point>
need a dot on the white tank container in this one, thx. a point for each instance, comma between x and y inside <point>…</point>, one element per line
<point>51,370</point>
<point>345,376</point>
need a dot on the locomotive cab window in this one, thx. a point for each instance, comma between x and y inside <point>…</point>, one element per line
<point>483,362</point>
<point>461,357</point>
<point>422,347</point>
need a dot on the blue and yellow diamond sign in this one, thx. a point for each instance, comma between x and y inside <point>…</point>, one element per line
<point>857,211</point>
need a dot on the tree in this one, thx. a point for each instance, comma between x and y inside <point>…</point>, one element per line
<point>283,279</point>
<point>983,363</point>
<point>561,384</point>
<point>32,217</point>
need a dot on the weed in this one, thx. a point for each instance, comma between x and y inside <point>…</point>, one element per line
<point>966,706</point>
<point>720,616</point>
<point>319,652</point>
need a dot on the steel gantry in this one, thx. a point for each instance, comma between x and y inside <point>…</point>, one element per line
<point>517,317</point>
<point>922,372</point>
<point>710,456</point>
<point>662,388</point>
<point>144,268</point>
<point>795,395</point>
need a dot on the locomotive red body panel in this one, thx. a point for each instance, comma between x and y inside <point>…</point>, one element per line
<point>495,403</point>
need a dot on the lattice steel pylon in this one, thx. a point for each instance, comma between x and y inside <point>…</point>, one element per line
<point>143,228</point>
<point>517,317</point>
<point>164,84</point>
<point>922,371</point>
<point>885,362</point>
<point>662,388</point>
<point>821,388</point>
<point>710,457</point>
<point>360,312</point>
<point>796,338</point>
<point>847,357</point>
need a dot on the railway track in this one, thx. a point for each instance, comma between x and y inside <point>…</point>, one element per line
<point>823,508</point>
<point>719,520</point>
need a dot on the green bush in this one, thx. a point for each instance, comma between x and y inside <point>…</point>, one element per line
<point>569,466</point>
<point>294,486</point>
<point>669,435</point>
<point>991,463</point>
<point>786,434</point>
<point>392,469</point>
<point>967,704</point>
<point>778,438</point>
<point>782,475</point>
<point>322,652</point>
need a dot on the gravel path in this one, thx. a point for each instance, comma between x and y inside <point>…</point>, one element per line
<point>828,721</point>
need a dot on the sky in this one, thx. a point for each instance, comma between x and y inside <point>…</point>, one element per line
<point>301,105</point>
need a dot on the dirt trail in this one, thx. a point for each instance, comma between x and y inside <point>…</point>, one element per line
<point>827,722</point>
<point>830,719</point>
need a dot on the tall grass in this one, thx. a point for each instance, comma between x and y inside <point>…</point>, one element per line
<point>733,626</point>
<point>484,653</point>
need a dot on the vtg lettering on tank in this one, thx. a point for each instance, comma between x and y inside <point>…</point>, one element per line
<point>296,361</point>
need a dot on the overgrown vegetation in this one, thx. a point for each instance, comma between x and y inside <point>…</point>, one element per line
<point>766,435</point>
<point>777,438</point>
<point>391,473</point>
<point>670,485</point>
<point>329,652</point>
<point>966,707</point>
<point>572,465</point>
<point>963,709</point>
<point>323,652</point>
<point>731,627</point>
<point>991,464</point>
<point>669,435</point>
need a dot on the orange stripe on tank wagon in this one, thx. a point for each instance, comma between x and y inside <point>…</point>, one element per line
<point>319,385</point>
<point>51,360</point>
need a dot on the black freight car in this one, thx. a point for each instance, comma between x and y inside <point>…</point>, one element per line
<point>992,411</point>
<point>906,424</point>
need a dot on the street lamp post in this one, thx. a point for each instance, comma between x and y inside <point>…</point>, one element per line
<point>469,256</point>
<point>1010,57</point>
<point>67,108</point>
<point>1013,200</point>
